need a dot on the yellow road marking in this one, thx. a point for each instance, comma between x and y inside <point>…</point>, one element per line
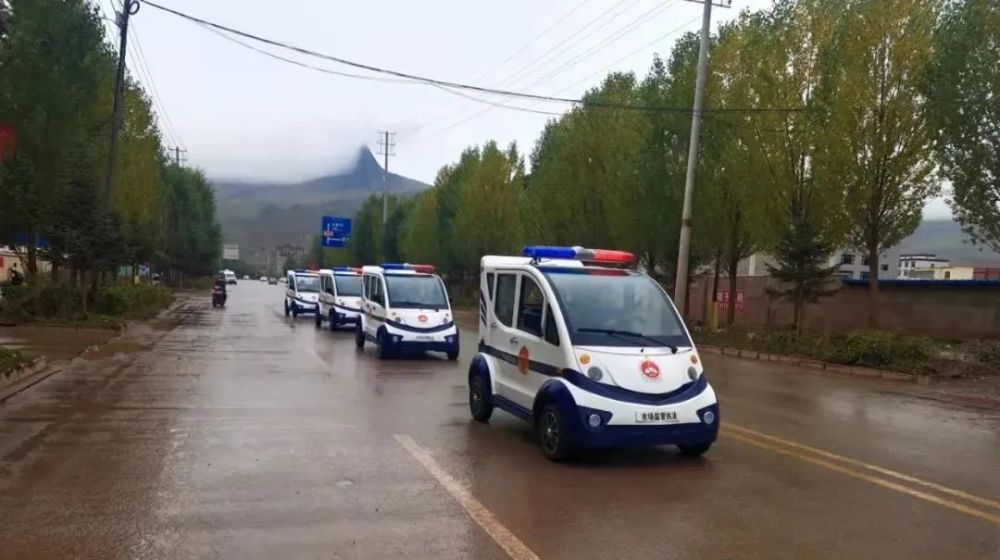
<point>866,477</point>
<point>881,470</point>
<point>503,537</point>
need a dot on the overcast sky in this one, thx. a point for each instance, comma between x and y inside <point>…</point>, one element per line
<point>241,114</point>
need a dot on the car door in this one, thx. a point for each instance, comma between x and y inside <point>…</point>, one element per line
<point>376,305</point>
<point>503,338</point>
<point>326,294</point>
<point>539,353</point>
<point>290,289</point>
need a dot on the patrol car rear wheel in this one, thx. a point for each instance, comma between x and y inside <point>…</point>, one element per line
<point>551,428</point>
<point>696,450</point>
<point>359,337</point>
<point>480,399</point>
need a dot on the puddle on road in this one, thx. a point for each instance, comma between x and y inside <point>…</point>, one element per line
<point>116,347</point>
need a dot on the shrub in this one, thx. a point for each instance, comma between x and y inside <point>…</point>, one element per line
<point>986,352</point>
<point>11,360</point>
<point>132,301</point>
<point>59,300</point>
<point>879,348</point>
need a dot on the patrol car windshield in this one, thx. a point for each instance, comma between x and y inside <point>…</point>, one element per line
<point>307,283</point>
<point>348,286</point>
<point>615,308</point>
<point>415,291</point>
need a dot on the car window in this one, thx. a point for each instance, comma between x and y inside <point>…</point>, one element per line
<point>368,287</point>
<point>489,285</point>
<point>551,331</point>
<point>504,302</point>
<point>291,282</point>
<point>529,308</point>
<point>378,293</point>
<point>347,286</point>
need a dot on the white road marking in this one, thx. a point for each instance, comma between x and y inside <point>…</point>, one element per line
<point>507,540</point>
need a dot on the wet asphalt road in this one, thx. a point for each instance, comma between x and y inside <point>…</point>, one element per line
<point>238,433</point>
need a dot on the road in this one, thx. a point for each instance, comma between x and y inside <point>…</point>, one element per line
<point>239,433</point>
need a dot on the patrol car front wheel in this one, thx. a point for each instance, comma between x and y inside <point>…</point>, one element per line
<point>319,319</point>
<point>381,347</point>
<point>287,311</point>
<point>552,434</point>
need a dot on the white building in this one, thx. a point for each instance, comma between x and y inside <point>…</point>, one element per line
<point>913,265</point>
<point>852,263</point>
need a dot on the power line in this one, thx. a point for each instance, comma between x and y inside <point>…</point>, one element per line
<point>168,124</point>
<point>365,77</point>
<point>450,84</point>
<point>555,50</point>
<point>610,39</point>
<point>534,39</point>
<point>587,77</point>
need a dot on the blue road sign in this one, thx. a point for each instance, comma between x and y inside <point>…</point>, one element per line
<point>336,231</point>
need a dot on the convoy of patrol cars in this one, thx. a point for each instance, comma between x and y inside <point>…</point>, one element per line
<point>591,353</point>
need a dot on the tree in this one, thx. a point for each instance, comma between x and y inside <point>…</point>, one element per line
<point>878,109</point>
<point>53,68</point>
<point>802,266</point>
<point>964,92</point>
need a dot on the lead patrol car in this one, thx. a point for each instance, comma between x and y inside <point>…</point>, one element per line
<point>405,309</point>
<point>302,292</point>
<point>594,356</point>
<point>339,297</point>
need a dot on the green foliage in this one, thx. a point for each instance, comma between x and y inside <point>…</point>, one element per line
<point>11,361</point>
<point>964,90</point>
<point>141,301</point>
<point>802,264</point>
<point>57,74</point>
<point>986,352</point>
<point>874,91</point>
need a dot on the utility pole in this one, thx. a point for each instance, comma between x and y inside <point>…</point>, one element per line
<point>683,250</point>
<point>177,154</point>
<point>386,148</point>
<point>129,8</point>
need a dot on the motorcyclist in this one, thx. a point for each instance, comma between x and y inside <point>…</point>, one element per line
<point>220,286</point>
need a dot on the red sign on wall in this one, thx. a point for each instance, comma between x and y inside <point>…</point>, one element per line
<point>740,301</point>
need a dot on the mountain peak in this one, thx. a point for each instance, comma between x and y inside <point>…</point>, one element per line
<point>366,167</point>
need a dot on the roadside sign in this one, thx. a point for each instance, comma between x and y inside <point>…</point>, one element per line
<point>336,231</point>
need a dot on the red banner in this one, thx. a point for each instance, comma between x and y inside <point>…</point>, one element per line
<point>740,300</point>
<point>8,139</point>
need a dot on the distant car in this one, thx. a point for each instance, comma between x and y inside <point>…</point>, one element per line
<point>283,280</point>
<point>263,278</point>
<point>230,276</point>
<point>272,281</point>
<point>246,276</point>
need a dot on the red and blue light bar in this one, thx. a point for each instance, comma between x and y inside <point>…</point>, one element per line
<point>578,253</point>
<point>346,269</point>
<point>426,268</point>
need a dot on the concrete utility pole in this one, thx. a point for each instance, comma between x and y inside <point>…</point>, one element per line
<point>683,251</point>
<point>177,154</point>
<point>130,8</point>
<point>386,148</point>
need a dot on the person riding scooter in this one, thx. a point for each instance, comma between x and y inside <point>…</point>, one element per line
<point>219,291</point>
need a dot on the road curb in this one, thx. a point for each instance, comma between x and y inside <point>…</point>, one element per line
<point>21,379</point>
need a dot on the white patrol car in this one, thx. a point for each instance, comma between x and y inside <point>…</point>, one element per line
<point>339,297</point>
<point>593,356</point>
<point>406,309</point>
<point>302,293</point>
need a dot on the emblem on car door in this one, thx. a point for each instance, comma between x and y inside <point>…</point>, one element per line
<point>523,360</point>
<point>649,370</point>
